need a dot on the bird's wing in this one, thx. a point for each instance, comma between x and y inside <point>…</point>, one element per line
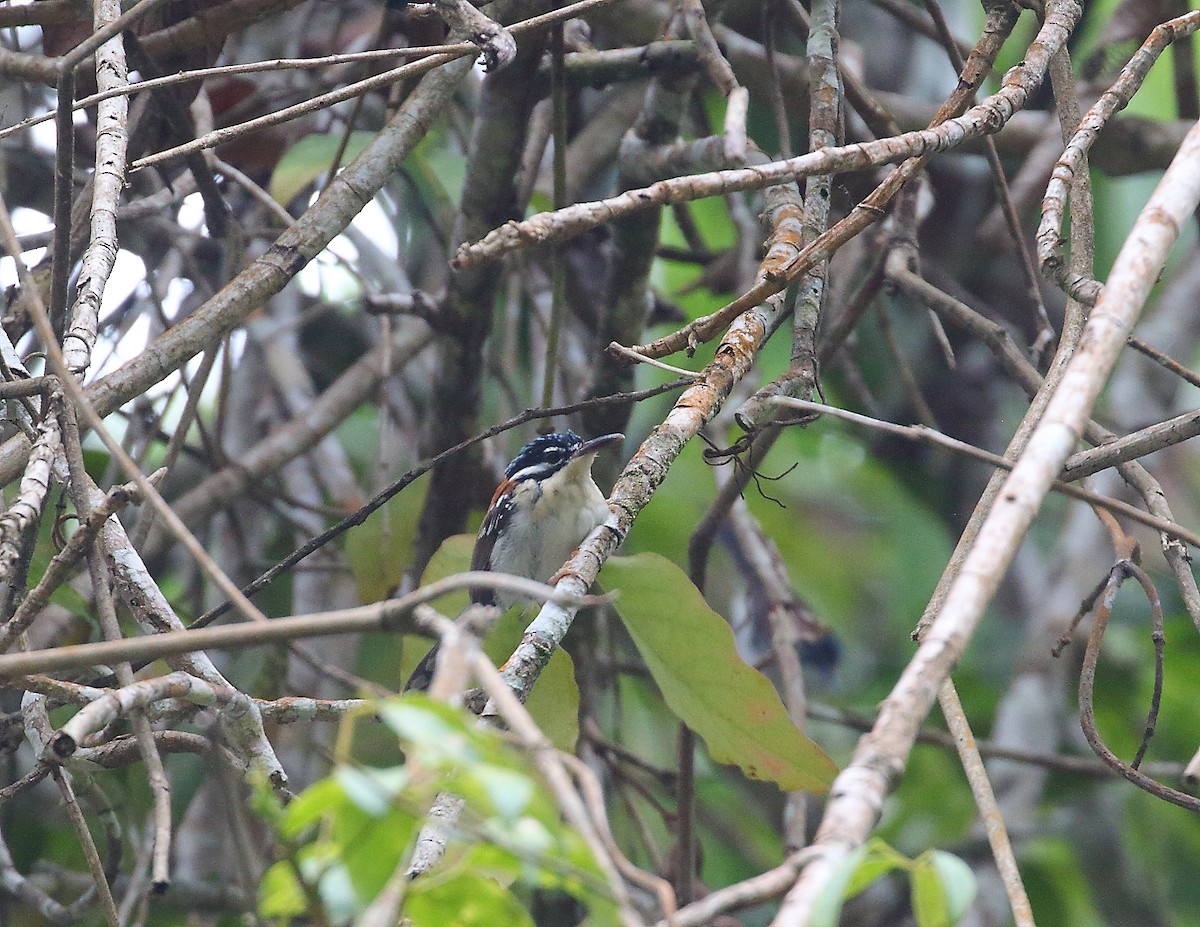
<point>499,512</point>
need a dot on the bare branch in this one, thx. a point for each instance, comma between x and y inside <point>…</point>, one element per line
<point>860,788</point>
<point>392,615</point>
<point>112,140</point>
<point>496,44</point>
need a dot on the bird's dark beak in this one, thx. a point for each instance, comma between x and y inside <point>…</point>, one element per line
<point>598,444</point>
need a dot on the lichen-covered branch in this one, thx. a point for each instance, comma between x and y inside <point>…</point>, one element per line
<point>26,508</point>
<point>112,139</point>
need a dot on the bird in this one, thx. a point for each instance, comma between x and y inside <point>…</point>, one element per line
<point>546,505</point>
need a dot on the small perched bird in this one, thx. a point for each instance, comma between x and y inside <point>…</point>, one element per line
<point>547,504</point>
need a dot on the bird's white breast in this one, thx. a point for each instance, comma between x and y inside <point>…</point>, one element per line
<point>565,508</point>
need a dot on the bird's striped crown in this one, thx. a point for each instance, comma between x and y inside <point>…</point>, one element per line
<point>544,455</point>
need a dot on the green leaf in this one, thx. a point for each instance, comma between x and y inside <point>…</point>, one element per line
<point>495,862</point>
<point>372,790</point>
<point>322,797</point>
<point>930,905</point>
<point>371,849</point>
<point>435,731</point>
<point>1056,877</point>
<point>508,792</point>
<point>827,906</point>
<point>437,174</point>
<point>309,159</point>
<point>690,651</point>
<point>472,761</point>
<point>859,869</point>
<point>465,900</point>
<point>336,889</point>
<point>878,861</point>
<point>554,701</point>
<point>362,836</point>
<point>380,550</point>
<point>279,892</point>
<point>943,887</point>
<point>454,556</point>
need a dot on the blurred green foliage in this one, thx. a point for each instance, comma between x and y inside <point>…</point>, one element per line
<point>346,836</point>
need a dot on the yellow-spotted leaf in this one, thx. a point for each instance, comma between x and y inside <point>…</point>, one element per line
<point>690,652</point>
<point>554,701</point>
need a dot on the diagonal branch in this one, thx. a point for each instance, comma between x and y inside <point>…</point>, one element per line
<point>986,118</point>
<point>859,790</point>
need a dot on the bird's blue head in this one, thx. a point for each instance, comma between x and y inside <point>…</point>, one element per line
<point>547,454</point>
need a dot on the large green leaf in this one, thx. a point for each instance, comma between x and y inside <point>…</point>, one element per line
<point>689,650</point>
<point>379,551</point>
<point>554,701</point>
<point>310,159</point>
<point>280,893</point>
<point>463,900</point>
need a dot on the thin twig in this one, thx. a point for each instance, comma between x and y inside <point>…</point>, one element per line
<point>380,499</point>
<point>322,101</point>
<point>558,256</point>
<point>985,802</point>
<point>60,565</point>
<point>77,396</point>
<point>91,854</point>
<point>381,616</point>
<point>622,351</point>
<point>516,716</point>
<point>1087,716</point>
<point>922,433</point>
